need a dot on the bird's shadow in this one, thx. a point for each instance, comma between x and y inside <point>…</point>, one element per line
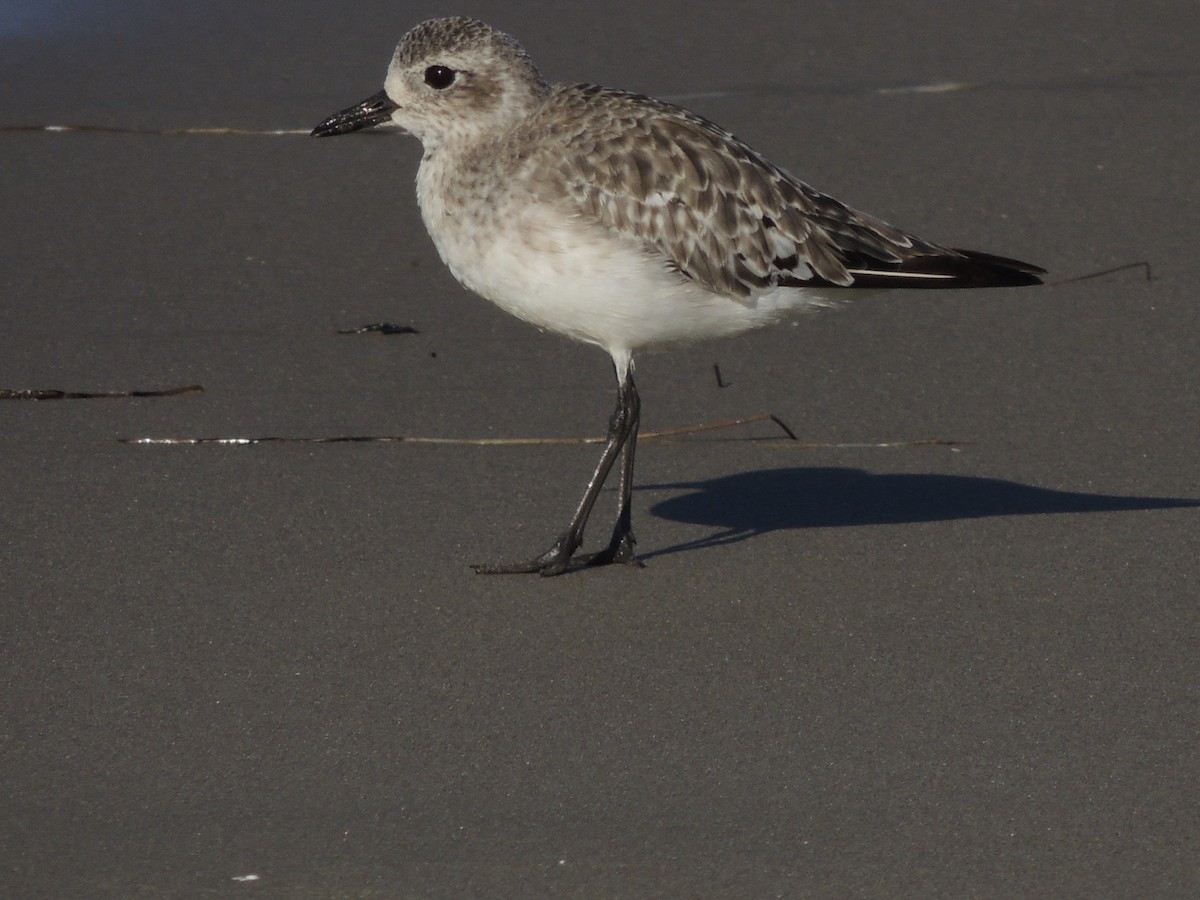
<point>752,503</point>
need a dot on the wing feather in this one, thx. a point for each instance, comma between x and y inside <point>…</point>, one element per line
<point>721,214</point>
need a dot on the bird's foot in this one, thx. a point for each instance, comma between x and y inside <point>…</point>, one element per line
<point>619,550</point>
<point>559,558</point>
<point>553,562</point>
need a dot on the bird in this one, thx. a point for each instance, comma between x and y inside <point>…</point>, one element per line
<point>624,222</point>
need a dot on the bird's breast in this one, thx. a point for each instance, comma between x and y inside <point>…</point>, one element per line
<point>555,268</point>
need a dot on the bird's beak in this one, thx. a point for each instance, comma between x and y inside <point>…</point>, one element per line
<point>375,109</point>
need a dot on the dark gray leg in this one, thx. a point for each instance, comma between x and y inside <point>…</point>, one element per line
<point>620,545</point>
<point>622,435</point>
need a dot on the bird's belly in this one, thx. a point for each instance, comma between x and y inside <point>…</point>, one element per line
<point>594,286</point>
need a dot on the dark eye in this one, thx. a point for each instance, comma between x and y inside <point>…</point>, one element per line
<point>439,77</point>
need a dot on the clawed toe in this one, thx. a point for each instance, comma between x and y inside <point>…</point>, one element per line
<point>619,551</point>
<point>553,562</point>
<point>521,568</point>
<point>605,558</point>
<point>528,567</point>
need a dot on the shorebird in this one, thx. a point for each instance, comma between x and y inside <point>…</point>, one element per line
<point>625,222</point>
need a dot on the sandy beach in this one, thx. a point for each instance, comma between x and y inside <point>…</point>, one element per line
<point>942,644</point>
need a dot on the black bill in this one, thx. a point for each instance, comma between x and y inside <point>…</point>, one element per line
<point>372,111</point>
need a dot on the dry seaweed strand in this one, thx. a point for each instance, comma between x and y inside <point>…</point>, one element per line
<point>54,394</point>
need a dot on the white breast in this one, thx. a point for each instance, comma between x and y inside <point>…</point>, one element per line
<point>562,273</point>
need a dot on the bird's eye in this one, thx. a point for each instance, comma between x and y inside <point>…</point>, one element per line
<point>439,77</point>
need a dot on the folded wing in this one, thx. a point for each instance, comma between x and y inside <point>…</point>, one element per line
<point>722,215</point>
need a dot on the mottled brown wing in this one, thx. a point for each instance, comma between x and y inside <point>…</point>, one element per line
<point>729,219</point>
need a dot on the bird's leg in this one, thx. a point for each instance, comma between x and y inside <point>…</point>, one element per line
<point>621,427</point>
<point>620,546</point>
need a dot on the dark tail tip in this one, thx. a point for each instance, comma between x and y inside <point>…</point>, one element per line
<point>988,270</point>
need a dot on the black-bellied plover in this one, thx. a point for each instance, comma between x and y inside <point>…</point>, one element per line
<point>625,222</point>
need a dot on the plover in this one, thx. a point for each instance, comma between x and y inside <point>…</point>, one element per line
<point>625,222</point>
